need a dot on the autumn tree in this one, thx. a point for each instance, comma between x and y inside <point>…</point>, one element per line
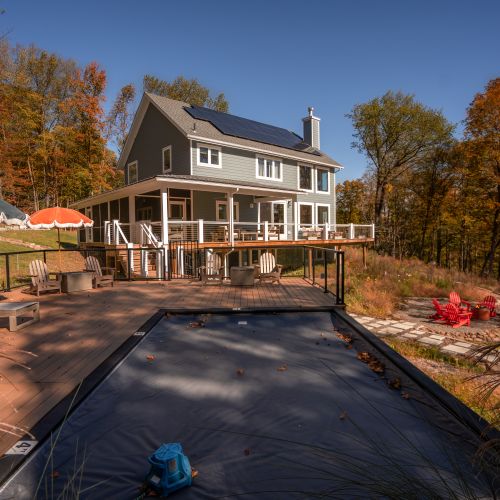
<point>353,202</point>
<point>482,155</point>
<point>120,117</point>
<point>395,132</point>
<point>187,90</point>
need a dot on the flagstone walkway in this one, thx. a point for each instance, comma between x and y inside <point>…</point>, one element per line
<point>412,331</point>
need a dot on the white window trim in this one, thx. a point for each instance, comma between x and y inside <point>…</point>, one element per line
<point>313,177</point>
<point>209,165</point>
<point>236,204</point>
<point>136,163</point>
<point>313,212</point>
<point>167,148</point>
<point>272,158</point>
<point>323,205</point>
<point>316,180</point>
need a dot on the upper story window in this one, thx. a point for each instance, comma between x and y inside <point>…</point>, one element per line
<point>209,156</point>
<point>322,180</point>
<point>132,172</point>
<point>305,177</point>
<point>268,168</point>
<point>166,158</point>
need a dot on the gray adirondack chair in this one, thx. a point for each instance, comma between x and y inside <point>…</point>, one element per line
<point>92,265</point>
<point>213,271</point>
<point>268,270</point>
<point>40,278</point>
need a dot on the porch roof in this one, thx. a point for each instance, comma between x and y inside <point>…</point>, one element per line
<point>196,183</point>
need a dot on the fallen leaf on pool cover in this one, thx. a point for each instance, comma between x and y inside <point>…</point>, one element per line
<point>247,451</point>
<point>55,474</point>
<point>395,383</point>
<point>150,357</point>
<point>405,395</point>
<point>376,366</point>
<point>343,415</point>
<point>344,337</point>
<point>282,368</point>
<point>196,324</point>
<point>366,357</point>
<point>240,371</point>
<point>194,473</point>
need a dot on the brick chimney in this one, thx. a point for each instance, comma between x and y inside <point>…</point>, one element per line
<point>311,129</point>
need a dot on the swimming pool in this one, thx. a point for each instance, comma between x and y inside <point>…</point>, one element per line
<point>265,406</point>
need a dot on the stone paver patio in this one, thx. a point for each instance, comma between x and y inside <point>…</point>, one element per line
<point>417,332</point>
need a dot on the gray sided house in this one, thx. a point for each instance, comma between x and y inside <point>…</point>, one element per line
<point>186,165</point>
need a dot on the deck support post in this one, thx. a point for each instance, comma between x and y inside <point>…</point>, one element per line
<point>351,231</point>
<point>364,256</point>
<point>310,263</point>
<point>266,230</point>
<point>372,231</point>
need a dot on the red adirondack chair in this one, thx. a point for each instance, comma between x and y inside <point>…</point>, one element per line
<point>490,302</point>
<point>457,317</point>
<point>440,314</point>
<point>456,300</point>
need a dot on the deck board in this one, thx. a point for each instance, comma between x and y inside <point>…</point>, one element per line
<point>78,332</point>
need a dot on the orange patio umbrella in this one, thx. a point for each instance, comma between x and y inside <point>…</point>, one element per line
<point>59,217</point>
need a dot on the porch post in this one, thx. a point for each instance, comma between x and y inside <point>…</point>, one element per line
<point>131,217</point>
<point>230,210</point>
<point>164,216</point>
<point>295,220</point>
<point>334,205</point>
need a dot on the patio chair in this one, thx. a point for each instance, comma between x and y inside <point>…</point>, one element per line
<point>456,300</point>
<point>92,266</point>
<point>268,270</point>
<point>456,317</point>
<point>440,314</point>
<point>490,302</point>
<point>213,270</point>
<point>40,278</point>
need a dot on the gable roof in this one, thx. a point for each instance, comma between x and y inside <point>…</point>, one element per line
<point>181,114</point>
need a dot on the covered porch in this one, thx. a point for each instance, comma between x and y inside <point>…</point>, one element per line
<point>163,209</point>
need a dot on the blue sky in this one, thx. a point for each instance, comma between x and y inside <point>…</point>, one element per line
<point>272,59</point>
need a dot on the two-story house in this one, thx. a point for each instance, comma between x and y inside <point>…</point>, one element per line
<point>186,165</point>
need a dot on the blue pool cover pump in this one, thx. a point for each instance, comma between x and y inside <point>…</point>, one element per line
<point>170,470</point>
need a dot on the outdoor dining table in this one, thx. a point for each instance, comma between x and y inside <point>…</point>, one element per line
<point>249,235</point>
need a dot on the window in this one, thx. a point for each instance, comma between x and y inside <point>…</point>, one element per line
<point>322,178</point>
<point>209,156</point>
<point>305,177</point>
<point>305,214</point>
<point>221,211</point>
<point>132,172</point>
<point>166,154</point>
<point>267,168</point>
<point>322,214</point>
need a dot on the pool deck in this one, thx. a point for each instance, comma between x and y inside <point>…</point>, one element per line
<point>78,331</point>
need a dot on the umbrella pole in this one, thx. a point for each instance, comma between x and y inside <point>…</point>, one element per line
<point>59,242</point>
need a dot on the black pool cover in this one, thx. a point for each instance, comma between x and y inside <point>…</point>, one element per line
<point>271,406</point>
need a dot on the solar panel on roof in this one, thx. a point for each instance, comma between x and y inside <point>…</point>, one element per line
<point>249,129</point>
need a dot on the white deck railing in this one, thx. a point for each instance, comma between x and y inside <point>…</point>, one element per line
<point>150,233</point>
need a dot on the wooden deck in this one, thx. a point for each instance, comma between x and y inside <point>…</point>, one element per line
<point>78,332</point>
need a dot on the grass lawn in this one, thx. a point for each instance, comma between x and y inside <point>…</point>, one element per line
<point>8,247</point>
<point>46,238</point>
